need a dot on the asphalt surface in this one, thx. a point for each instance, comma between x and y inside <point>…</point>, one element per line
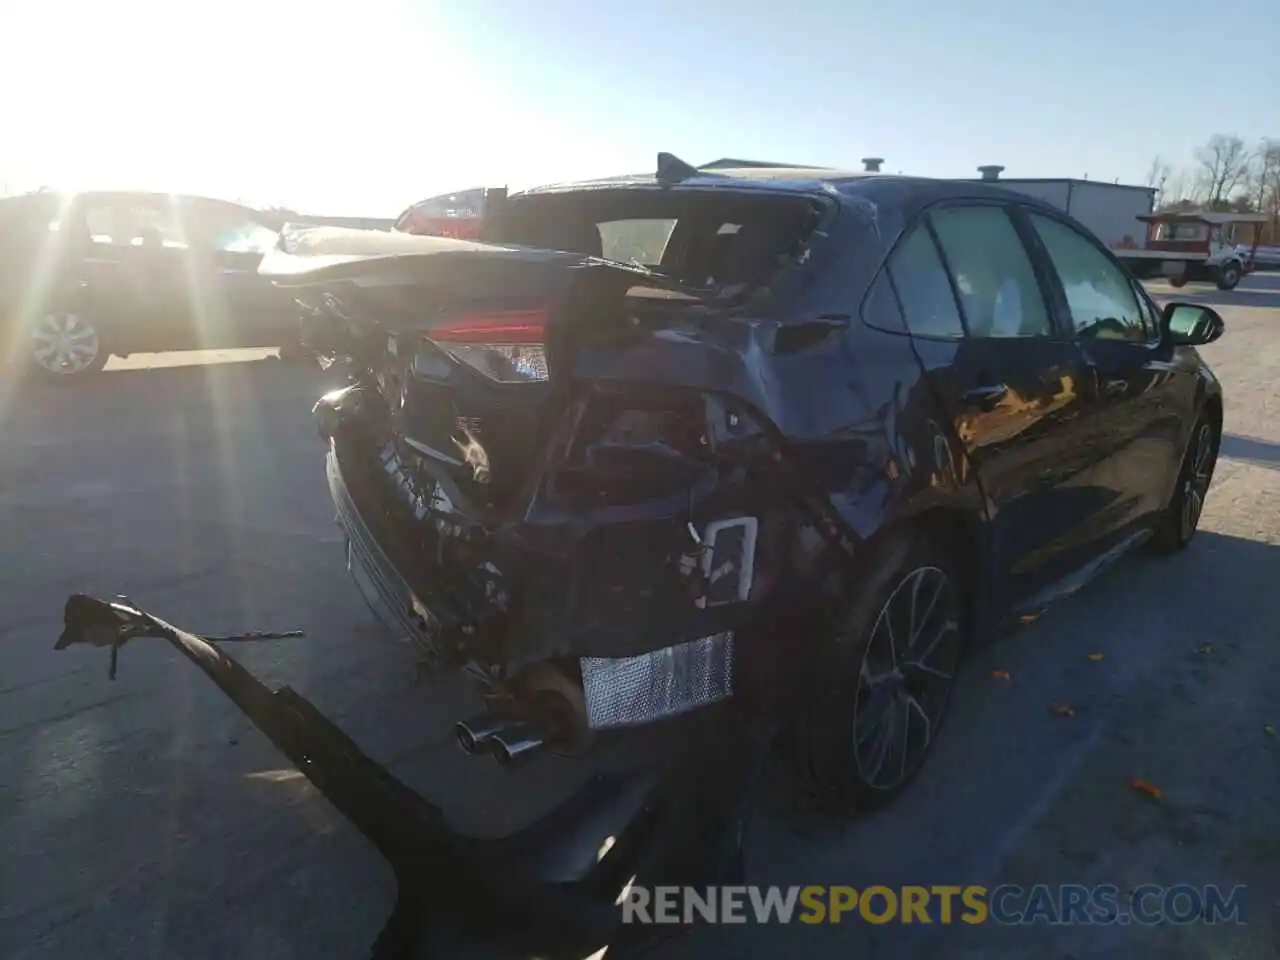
<point>146,818</point>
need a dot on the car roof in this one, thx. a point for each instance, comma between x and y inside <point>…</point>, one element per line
<point>844,185</point>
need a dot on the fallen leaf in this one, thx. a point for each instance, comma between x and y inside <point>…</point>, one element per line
<point>1061,710</point>
<point>1095,656</point>
<point>1269,730</point>
<point>1205,649</point>
<point>1150,789</point>
<point>1000,674</point>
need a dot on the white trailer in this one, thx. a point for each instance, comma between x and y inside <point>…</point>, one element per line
<point>1113,211</point>
<point>1177,246</point>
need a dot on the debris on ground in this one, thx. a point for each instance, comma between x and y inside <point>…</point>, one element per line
<point>1143,786</point>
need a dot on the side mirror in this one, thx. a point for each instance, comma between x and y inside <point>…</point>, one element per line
<point>1191,325</point>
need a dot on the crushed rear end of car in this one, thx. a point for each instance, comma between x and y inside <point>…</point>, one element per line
<point>570,476</point>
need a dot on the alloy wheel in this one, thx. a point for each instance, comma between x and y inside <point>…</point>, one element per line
<point>1196,485</point>
<point>65,344</point>
<point>905,677</point>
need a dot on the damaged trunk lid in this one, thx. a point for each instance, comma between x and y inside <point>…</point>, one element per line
<point>466,340</point>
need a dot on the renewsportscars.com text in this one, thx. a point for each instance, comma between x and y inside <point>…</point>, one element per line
<point>1066,904</point>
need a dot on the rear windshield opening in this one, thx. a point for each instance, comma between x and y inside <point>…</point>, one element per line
<point>724,243</point>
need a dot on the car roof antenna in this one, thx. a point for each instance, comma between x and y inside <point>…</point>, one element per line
<point>671,169</point>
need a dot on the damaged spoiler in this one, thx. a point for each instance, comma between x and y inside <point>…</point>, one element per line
<point>456,893</point>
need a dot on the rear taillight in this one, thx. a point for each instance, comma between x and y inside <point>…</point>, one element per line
<point>508,346</point>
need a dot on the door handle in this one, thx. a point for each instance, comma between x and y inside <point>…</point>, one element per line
<point>1115,388</point>
<point>986,397</point>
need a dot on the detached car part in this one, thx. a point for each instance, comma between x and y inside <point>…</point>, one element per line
<point>549,891</point>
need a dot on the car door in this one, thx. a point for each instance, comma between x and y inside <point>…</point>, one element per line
<point>139,272</point>
<point>1141,404</point>
<point>254,312</point>
<point>1015,386</point>
<point>111,272</point>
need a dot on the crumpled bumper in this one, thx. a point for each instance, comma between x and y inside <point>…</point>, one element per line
<point>385,591</point>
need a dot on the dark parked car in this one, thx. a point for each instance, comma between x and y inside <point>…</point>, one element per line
<point>87,275</point>
<point>800,443</point>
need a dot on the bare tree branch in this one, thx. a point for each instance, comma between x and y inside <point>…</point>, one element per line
<point>1223,166</point>
<point>1157,175</point>
<point>1265,188</point>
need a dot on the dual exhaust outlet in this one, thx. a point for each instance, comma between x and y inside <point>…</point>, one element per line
<point>507,741</point>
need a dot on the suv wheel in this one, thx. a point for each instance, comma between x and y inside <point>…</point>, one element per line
<point>883,686</point>
<point>67,345</point>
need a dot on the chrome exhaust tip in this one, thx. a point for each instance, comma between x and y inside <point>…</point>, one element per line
<point>516,743</point>
<point>474,735</point>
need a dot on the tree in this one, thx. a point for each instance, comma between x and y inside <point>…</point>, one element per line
<point>1264,185</point>
<point>1157,175</point>
<point>1223,165</point>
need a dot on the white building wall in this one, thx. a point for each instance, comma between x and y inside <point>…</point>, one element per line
<point>1110,210</point>
<point>1050,191</point>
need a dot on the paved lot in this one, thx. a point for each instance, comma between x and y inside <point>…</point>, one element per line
<point>145,818</point>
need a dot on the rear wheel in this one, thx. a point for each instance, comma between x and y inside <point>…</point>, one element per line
<point>1228,275</point>
<point>1181,518</point>
<point>883,684</point>
<point>67,346</point>
<point>1179,281</point>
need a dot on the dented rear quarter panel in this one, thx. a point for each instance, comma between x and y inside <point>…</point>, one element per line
<point>851,405</point>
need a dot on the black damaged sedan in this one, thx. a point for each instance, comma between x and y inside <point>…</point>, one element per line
<point>787,438</point>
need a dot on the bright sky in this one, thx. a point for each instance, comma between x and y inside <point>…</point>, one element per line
<point>364,107</point>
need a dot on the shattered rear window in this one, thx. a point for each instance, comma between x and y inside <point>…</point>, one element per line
<point>635,241</point>
<point>723,242</point>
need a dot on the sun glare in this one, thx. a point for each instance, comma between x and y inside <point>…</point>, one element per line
<point>278,102</point>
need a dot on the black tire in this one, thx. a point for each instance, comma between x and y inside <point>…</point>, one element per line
<point>848,761</point>
<point>79,324</point>
<point>1180,519</point>
<point>1229,275</point>
<point>1178,282</point>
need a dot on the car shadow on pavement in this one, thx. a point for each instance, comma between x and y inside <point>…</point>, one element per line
<point>1169,668</point>
<point>1263,453</point>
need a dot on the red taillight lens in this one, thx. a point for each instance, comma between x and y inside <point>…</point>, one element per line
<point>507,346</point>
<point>508,326</point>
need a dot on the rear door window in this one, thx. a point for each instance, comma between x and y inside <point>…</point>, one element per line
<point>923,289</point>
<point>881,309</point>
<point>993,273</point>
